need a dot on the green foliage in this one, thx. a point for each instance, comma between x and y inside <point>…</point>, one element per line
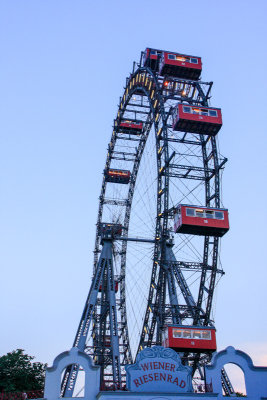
<point>19,374</point>
<point>239,394</point>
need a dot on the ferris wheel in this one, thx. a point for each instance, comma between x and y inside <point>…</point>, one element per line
<point>159,223</point>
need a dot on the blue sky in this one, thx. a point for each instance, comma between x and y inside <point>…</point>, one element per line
<point>63,68</point>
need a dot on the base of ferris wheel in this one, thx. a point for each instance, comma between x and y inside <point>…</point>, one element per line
<point>159,372</point>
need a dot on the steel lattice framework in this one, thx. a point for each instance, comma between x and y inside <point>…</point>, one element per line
<point>162,278</point>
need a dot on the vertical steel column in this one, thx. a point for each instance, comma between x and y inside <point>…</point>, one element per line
<point>176,318</point>
<point>113,319</point>
<point>105,263</point>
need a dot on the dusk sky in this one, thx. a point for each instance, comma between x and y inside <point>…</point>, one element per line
<point>63,69</point>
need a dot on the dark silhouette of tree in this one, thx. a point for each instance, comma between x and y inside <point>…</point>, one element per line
<point>19,374</point>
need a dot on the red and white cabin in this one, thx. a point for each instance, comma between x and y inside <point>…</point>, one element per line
<point>133,127</point>
<point>116,287</point>
<point>151,57</point>
<point>204,120</point>
<point>204,221</point>
<point>195,339</point>
<point>117,176</point>
<point>110,229</point>
<point>180,65</point>
<point>107,341</point>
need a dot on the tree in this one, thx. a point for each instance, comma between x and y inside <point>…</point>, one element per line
<point>19,374</point>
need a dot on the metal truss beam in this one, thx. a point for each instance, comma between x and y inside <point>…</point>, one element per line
<point>226,384</point>
<point>104,268</point>
<point>183,141</point>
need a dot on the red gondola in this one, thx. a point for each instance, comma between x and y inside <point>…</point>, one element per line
<point>195,339</point>
<point>196,220</point>
<point>116,287</point>
<point>117,176</point>
<point>133,127</point>
<point>107,341</point>
<point>151,57</point>
<point>180,65</point>
<point>204,120</point>
<point>110,229</point>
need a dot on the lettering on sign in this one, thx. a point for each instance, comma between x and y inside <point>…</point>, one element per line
<point>158,369</point>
